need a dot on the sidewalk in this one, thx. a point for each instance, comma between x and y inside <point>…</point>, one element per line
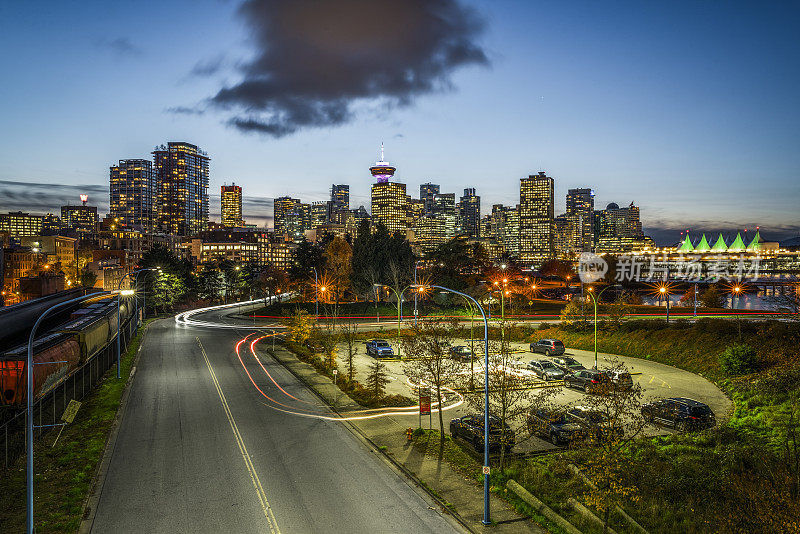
<point>465,495</point>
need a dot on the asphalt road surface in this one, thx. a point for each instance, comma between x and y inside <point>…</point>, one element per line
<point>199,451</point>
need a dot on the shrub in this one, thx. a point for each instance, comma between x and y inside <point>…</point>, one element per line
<point>738,359</point>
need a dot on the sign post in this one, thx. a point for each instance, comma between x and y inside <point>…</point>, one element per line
<point>424,404</point>
<point>68,417</point>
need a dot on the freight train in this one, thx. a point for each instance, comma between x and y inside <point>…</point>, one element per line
<point>62,350</point>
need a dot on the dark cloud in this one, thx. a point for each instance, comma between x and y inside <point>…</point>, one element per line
<point>315,60</point>
<point>121,46</point>
<point>185,110</point>
<point>204,69</point>
<point>47,197</point>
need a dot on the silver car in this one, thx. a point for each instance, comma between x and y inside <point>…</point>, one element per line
<point>546,370</point>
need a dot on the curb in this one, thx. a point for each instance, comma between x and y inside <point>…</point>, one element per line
<point>92,499</point>
<point>358,433</point>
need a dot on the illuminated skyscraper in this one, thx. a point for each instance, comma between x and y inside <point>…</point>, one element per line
<point>388,198</point>
<point>427,192</point>
<point>281,208</point>
<point>339,205</point>
<point>536,218</point>
<point>231,203</point>
<point>181,171</point>
<point>133,191</point>
<point>81,218</point>
<point>580,209</point>
<point>469,214</point>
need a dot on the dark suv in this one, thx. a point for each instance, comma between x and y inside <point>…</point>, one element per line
<point>554,426</point>
<point>594,424</point>
<point>470,428</point>
<point>680,413</point>
<point>589,380</point>
<point>545,369</point>
<point>548,347</point>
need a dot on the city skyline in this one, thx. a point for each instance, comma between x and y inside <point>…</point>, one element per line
<point>714,154</point>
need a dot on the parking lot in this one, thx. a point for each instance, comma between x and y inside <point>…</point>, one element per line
<point>657,381</point>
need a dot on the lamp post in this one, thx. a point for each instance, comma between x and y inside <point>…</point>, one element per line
<point>399,308</point>
<point>416,266</point>
<point>316,291</point>
<point>29,404</point>
<point>486,511</point>
<point>595,299</point>
<point>119,326</point>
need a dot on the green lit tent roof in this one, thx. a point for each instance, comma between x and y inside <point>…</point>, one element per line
<point>702,246</point>
<point>686,246</point>
<point>738,244</point>
<point>720,245</point>
<point>755,244</point>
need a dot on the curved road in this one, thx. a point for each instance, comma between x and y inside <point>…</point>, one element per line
<point>198,451</point>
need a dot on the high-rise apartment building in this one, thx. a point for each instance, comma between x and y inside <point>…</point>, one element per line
<point>444,206</point>
<point>133,193</point>
<point>536,218</point>
<point>427,192</point>
<point>580,208</point>
<point>181,171</point>
<point>502,225</point>
<point>468,220</point>
<point>231,205</point>
<point>339,204</point>
<point>281,207</point>
<point>291,218</point>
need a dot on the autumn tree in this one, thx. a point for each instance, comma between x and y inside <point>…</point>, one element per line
<point>299,325</point>
<point>428,362</point>
<point>377,378</point>
<point>338,266</point>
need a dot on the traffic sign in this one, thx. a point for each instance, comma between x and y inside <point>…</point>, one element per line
<point>424,404</point>
<point>485,469</point>
<point>71,411</point>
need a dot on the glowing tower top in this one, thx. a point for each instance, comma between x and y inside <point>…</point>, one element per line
<point>382,170</point>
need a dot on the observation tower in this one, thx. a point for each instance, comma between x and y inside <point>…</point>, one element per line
<point>382,170</point>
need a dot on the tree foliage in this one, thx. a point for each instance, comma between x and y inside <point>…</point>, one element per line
<point>738,359</point>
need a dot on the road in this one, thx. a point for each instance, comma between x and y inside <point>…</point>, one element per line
<point>199,451</point>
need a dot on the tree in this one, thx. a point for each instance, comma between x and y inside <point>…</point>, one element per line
<point>168,288</point>
<point>377,378</point>
<point>307,257</point>
<point>618,310</point>
<point>300,326</point>
<point>338,266</point>
<point>606,462</point>
<point>712,297</point>
<point>559,269</point>
<point>210,284</point>
<point>349,334</point>
<point>327,339</point>
<point>428,362</point>
<point>87,278</point>
<point>269,280</point>
<point>577,313</point>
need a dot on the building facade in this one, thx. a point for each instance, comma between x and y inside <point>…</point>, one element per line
<point>82,219</point>
<point>181,171</point>
<point>580,208</point>
<point>19,224</point>
<point>536,218</point>
<point>389,206</point>
<point>133,193</point>
<point>468,220</point>
<point>231,206</point>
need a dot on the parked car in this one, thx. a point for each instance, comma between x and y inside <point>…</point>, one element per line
<point>545,369</point>
<point>680,413</point>
<point>589,380</point>
<point>568,364</point>
<point>620,378</point>
<point>548,347</point>
<point>554,426</point>
<point>461,352</point>
<point>594,423</point>
<point>470,428</point>
<point>379,348</point>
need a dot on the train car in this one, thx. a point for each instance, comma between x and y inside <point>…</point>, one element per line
<point>58,353</point>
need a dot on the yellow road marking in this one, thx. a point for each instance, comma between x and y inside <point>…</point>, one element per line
<point>651,379</point>
<point>262,497</point>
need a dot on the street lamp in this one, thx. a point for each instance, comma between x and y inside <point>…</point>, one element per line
<point>416,266</point>
<point>121,293</point>
<point>29,402</point>
<point>316,296</point>
<point>595,299</point>
<point>399,308</point>
<point>486,509</point>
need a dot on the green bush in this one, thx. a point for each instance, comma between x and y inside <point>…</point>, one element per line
<point>738,359</point>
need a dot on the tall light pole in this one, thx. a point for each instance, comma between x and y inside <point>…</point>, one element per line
<point>29,403</point>
<point>486,510</point>
<point>595,299</point>
<point>399,308</point>
<point>416,266</point>
<point>119,326</point>
<point>316,293</point>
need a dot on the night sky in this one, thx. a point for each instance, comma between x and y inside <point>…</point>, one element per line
<point>688,109</point>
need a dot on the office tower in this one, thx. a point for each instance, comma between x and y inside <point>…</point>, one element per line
<point>133,193</point>
<point>181,171</point>
<point>19,224</point>
<point>427,192</point>
<point>536,218</point>
<point>320,211</point>
<point>389,200</point>
<point>81,218</point>
<point>340,197</point>
<point>469,214</point>
<point>444,207</point>
<point>502,225</point>
<point>231,204</point>
<point>281,207</point>
<point>580,209</point>
<point>619,222</point>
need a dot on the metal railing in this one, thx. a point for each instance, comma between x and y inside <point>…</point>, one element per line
<point>48,409</point>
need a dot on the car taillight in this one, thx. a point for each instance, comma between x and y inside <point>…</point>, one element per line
<point>594,381</point>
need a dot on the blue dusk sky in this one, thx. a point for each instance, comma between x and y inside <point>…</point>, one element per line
<point>689,109</point>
